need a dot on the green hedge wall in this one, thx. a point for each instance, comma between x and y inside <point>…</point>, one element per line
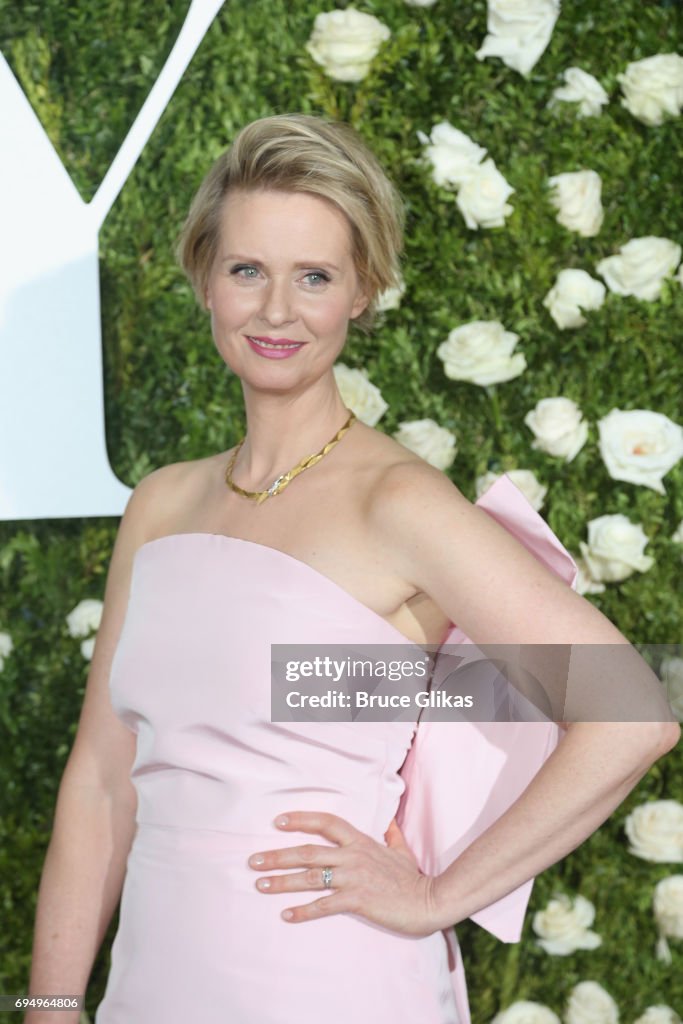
<point>86,67</point>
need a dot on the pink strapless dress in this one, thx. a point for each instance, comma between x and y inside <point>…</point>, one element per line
<point>191,676</point>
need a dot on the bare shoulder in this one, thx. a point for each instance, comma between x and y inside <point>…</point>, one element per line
<point>104,747</point>
<point>408,502</point>
<point>373,446</point>
<point>160,498</point>
<point>164,479</point>
<point>407,488</point>
<point>474,568</point>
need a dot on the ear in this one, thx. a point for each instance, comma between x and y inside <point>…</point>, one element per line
<point>359,305</point>
<point>207,299</point>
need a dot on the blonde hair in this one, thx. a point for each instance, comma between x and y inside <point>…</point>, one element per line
<point>303,153</point>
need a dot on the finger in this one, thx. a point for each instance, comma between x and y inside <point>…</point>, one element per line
<point>331,826</point>
<point>294,857</point>
<point>396,841</point>
<point>393,833</point>
<point>302,881</point>
<point>395,837</point>
<point>323,907</point>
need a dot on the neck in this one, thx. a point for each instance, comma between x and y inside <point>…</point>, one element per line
<point>283,429</point>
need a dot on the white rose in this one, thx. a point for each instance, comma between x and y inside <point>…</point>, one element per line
<point>655,831</point>
<point>344,43</point>
<point>589,1003</point>
<point>576,195</point>
<point>671,675</point>
<point>524,1011</point>
<point>390,298</point>
<point>640,446</point>
<point>85,617</point>
<point>427,439</point>
<point>659,1015</point>
<point>668,910</point>
<point>359,395</point>
<point>677,535</point>
<point>481,199</point>
<point>87,648</point>
<point>573,291</point>
<point>523,479</point>
<point>519,31</point>
<point>564,926</point>
<point>582,88</point>
<point>615,548</point>
<point>6,648</point>
<point>451,153</point>
<point>585,584</point>
<point>640,267</point>
<point>481,352</point>
<point>456,162</point>
<point>558,426</point>
<point>653,87</point>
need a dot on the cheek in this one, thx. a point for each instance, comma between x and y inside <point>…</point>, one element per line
<point>330,316</point>
<point>232,309</point>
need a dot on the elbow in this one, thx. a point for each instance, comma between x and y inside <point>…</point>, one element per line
<point>661,741</point>
<point>666,738</point>
<point>646,741</point>
<point>671,734</point>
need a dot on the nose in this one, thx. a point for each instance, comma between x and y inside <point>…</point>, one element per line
<point>277,302</point>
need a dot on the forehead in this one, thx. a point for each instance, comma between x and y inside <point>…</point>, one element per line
<point>284,217</point>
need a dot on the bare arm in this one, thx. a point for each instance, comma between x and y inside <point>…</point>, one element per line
<point>588,775</point>
<point>79,889</point>
<point>498,593</point>
<point>94,821</point>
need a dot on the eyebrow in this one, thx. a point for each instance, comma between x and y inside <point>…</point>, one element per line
<point>299,266</point>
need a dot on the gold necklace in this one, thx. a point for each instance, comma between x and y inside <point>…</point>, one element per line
<point>281,482</point>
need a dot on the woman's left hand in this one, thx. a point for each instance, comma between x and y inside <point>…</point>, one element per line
<point>381,883</point>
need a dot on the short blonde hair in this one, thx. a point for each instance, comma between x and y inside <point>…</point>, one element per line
<point>303,153</point>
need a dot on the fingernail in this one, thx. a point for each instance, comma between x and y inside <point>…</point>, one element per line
<point>258,859</point>
<point>284,820</point>
<point>263,883</point>
<point>287,914</point>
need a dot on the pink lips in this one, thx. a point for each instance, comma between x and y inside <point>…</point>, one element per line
<point>274,353</point>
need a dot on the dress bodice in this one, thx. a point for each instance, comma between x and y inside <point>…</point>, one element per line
<point>192,677</point>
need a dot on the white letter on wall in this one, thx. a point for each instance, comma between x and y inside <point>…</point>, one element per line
<point>53,458</point>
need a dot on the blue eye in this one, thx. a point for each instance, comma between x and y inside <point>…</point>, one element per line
<point>322,277</point>
<point>319,273</point>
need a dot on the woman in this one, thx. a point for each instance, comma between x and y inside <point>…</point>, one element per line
<point>178,778</point>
